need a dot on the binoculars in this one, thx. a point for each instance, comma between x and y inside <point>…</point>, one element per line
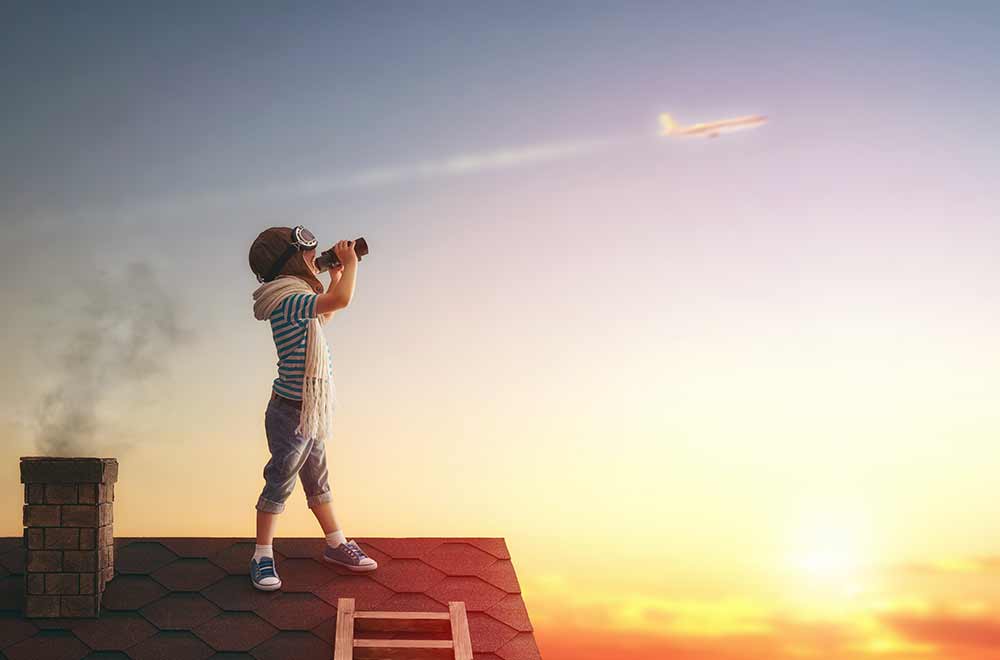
<point>329,259</point>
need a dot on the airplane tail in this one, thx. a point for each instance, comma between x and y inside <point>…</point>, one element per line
<point>667,124</point>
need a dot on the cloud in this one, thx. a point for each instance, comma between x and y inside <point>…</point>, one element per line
<point>591,644</point>
<point>975,565</point>
<point>587,625</point>
<point>948,630</point>
<point>654,614</point>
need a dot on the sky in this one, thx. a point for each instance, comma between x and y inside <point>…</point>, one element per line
<point>723,398</point>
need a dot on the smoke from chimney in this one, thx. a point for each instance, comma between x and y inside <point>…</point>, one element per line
<point>127,331</point>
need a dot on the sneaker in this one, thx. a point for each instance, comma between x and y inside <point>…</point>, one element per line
<point>349,555</point>
<point>263,575</point>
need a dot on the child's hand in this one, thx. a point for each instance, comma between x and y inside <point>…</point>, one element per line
<point>336,273</point>
<point>345,252</point>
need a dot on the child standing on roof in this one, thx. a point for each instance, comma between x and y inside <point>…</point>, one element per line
<point>299,414</point>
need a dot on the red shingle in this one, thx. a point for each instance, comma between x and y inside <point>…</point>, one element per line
<point>501,575</point>
<point>235,631</point>
<point>114,631</point>
<point>130,592</point>
<point>511,610</point>
<point>198,547</point>
<point>235,559</point>
<point>13,560</point>
<point>488,634</point>
<point>293,646</point>
<point>8,543</point>
<point>478,595</point>
<point>521,647</point>
<point>180,611</point>
<point>14,630</point>
<point>12,592</point>
<point>403,548</point>
<point>121,542</point>
<point>412,603</point>
<point>495,546</point>
<point>171,646</point>
<point>326,630</point>
<point>296,611</point>
<point>300,548</point>
<point>56,623</point>
<point>402,575</point>
<point>236,592</point>
<point>188,574</point>
<point>48,645</point>
<point>142,557</point>
<point>458,559</point>
<point>304,574</point>
<point>366,592</point>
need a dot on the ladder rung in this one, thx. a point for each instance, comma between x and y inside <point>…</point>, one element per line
<point>400,615</point>
<point>406,622</point>
<point>403,643</point>
<point>408,649</point>
<point>372,626</point>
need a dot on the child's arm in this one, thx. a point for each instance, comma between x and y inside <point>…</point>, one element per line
<point>335,277</point>
<point>341,289</point>
<point>345,283</point>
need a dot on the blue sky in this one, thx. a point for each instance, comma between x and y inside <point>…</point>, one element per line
<point>110,102</point>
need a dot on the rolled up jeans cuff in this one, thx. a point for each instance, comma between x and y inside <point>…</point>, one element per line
<point>319,498</point>
<point>264,504</point>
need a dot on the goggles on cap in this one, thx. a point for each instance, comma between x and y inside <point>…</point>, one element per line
<point>301,240</point>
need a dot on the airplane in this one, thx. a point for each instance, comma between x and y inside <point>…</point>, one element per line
<point>712,129</point>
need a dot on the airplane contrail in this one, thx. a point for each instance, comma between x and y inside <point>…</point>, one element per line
<point>505,158</point>
<point>455,165</point>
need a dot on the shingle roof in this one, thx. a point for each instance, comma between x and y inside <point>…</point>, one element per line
<point>191,598</point>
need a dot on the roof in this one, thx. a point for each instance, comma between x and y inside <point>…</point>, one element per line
<point>191,599</point>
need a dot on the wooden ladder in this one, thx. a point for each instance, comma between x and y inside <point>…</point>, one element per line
<point>454,622</point>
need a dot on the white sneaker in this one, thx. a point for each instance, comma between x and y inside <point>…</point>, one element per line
<point>263,574</point>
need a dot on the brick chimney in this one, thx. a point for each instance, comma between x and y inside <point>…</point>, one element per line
<point>68,516</point>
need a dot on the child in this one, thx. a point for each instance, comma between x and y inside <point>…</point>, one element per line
<point>298,416</point>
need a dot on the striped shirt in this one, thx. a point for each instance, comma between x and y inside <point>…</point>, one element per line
<point>289,322</point>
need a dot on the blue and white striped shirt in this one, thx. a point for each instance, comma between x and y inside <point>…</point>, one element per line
<point>289,322</point>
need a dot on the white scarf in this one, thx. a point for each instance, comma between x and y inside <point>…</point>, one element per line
<point>317,388</point>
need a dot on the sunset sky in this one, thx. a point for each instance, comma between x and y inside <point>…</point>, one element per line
<point>723,398</point>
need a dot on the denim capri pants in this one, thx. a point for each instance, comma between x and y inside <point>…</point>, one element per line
<point>291,456</point>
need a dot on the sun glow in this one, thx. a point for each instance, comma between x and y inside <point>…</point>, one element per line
<point>831,562</point>
<point>831,548</point>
